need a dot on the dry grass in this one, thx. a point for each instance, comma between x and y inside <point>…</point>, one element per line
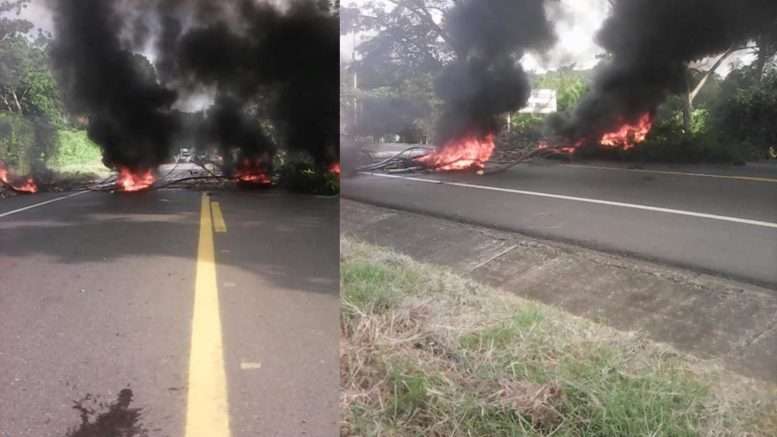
<point>425,352</point>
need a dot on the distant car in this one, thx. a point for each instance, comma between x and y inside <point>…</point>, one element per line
<point>185,155</point>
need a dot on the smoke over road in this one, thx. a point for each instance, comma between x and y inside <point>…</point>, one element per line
<point>254,61</point>
<point>489,39</point>
<point>129,112</point>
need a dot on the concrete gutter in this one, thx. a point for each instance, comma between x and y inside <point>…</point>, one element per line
<point>709,317</point>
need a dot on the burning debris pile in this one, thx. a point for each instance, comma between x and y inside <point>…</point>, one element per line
<point>651,43</point>
<point>461,154</point>
<point>628,134</point>
<point>486,79</point>
<point>129,181</point>
<point>252,60</point>
<point>15,183</point>
<point>254,172</point>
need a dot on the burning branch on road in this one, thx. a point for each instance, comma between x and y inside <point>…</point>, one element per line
<point>469,152</point>
<point>476,154</point>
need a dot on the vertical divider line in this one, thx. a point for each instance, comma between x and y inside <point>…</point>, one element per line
<point>207,407</point>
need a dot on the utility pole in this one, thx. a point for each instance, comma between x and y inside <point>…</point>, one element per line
<point>355,79</point>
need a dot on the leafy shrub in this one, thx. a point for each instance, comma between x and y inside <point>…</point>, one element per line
<point>745,117</point>
<point>304,177</point>
<point>17,137</point>
<point>74,147</point>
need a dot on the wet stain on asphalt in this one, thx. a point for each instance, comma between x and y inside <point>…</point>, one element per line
<point>108,419</point>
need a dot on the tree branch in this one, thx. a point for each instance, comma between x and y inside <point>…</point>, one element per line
<point>16,100</point>
<point>5,100</point>
<point>695,92</point>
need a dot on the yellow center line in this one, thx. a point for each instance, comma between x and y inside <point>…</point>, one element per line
<point>678,173</point>
<point>218,219</point>
<point>207,409</point>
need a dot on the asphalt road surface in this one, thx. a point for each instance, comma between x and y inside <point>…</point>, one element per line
<point>712,219</point>
<point>214,315</point>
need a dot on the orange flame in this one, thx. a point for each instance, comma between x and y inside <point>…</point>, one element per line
<point>461,154</point>
<point>134,181</point>
<point>28,186</point>
<point>254,177</point>
<point>629,134</point>
<point>253,171</point>
<point>335,168</point>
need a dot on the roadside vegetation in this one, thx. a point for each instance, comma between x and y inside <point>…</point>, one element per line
<point>76,153</point>
<point>37,135</point>
<point>425,352</point>
<point>302,177</point>
<point>730,122</point>
<point>299,173</point>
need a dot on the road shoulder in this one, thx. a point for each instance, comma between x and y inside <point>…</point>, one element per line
<point>706,316</point>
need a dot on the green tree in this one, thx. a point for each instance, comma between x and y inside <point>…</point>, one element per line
<point>27,86</point>
<point>29,97</point>
<point>744,115</point>
<point>570,85</point>
<point>389,82</point>
<point>407,38</point>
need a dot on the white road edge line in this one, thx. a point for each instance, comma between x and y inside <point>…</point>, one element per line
<point>35,205</point>
<point>585,200</point>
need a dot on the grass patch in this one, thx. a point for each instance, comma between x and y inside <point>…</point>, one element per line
<point>428,353</point>
<point>76,154</point>
<point>375,288</point>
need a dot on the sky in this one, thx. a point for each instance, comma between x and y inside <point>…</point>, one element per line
<point>576,23</point>
<point>37,13</point>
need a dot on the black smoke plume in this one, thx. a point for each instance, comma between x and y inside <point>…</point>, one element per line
<point>651,43</point>
<point>129,113</point>
<point>251,60</point>
<point>232,127</point>
<point>291,59</point>
<point>486,79</point>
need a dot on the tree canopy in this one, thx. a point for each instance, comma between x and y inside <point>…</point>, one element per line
<point>26,84</point>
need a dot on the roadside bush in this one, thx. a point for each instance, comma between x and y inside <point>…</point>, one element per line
<point>745,119</point>
<point>304,177</point>
<point>74,147</point>
<point>528,125</point>
<point>17,137</point>
<point>29,143</point>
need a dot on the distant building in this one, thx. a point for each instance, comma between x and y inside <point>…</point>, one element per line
<point>541,101</point>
